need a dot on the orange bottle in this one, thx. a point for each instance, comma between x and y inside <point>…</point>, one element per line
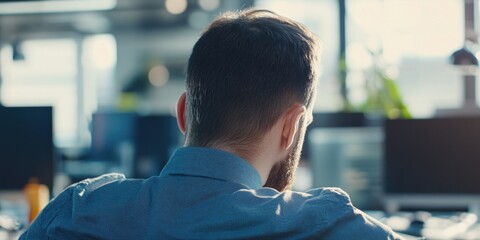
<point>37,196</point>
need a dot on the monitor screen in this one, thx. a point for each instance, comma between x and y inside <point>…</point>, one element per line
<point>156,138</point>
<point>26,146</point>
<point>432,156</point>
<point>110,130</point>
<point>349,158</point>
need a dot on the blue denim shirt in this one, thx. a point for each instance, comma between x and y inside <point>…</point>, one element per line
<point>201,194</point>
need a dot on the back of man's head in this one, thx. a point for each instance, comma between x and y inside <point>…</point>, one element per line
<point>246,70</point>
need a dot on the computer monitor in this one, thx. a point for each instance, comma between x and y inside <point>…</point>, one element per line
<point>328,120</point>
<point>349,158</point>
<point>157,137</point>
<point>26,146</point>
<point>432,162</point>
<point>110,132</point>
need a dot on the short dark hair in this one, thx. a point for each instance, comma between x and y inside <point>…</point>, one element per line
<point>246,69</point>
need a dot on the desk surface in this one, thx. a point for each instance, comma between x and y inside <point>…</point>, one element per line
<point>432,225</point>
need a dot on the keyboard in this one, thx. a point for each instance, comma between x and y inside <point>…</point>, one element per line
<point>458,225</point>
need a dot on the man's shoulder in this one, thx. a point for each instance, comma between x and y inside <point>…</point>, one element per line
<point>323,206</point>
<point>92,184</point>
<point>326,213</point>
<point>345,219</point>
<point>318,196</point>
<point>89,189</point>
<point>58,213</point>
<point>331,193</point>
<point>331,197</point>
<point>84,188</point>
<point>103,194</point>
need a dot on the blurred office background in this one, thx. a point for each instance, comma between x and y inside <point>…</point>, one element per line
<point>112,71</point>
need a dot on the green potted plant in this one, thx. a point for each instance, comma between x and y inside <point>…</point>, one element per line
<point>383,97</point>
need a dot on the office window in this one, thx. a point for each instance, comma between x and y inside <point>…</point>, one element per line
<point>322,18</point>
<point>417,38</point>
<point>46,77</point>
<point>73,78</point>
<point>99,58</point>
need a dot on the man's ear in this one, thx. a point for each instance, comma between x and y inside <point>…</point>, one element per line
<point>290,127</point>
<point>181,112</point>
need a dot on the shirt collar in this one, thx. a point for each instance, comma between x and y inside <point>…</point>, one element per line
<point>212,163</point>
